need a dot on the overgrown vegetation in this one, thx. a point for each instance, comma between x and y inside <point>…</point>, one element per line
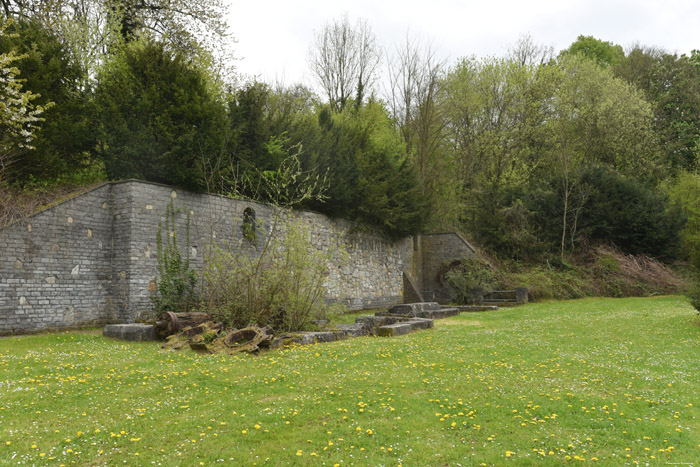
<point>177,283</point>
<point>602,272</point>
<point>270,275</point>
<point>471,273</point>
<point>282,284</point>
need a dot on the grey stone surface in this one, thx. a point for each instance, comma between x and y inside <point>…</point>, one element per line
<point>307,338</point>
<point>93,259</point>
<point>436,251</point>
<point>355,329</point>
<point>422,309</point>
<point>130,332</point>
<point>404,327</point>
<point>521,295</point>
<point>398,329</point>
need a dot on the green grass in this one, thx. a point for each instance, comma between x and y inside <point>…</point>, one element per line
<point>611,381</point>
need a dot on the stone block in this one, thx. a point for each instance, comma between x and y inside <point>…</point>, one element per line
<point>307,338</point>
<point>398,329</point>
<point>355,329</point>
<point>421,323</point>
<point>404,327</point>
<point>130,332</point>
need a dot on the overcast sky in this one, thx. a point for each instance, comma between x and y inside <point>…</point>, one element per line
<point>274,36</point>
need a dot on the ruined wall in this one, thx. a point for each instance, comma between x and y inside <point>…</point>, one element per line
<point>55,267</point>
<point>93,259</point>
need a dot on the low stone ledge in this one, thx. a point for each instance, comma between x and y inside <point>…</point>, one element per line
<point>398,329</point>
<point>422,323</point>
<point>438,314</point>
<point>130,332</point>
<point>475,308</point>
<point>405,327</point>
<point>307,338</point>
<point>413,309</point>
<point>355,329</point>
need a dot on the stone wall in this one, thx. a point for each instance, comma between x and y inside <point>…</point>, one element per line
<point>437,252</point>
<point>372,277</point>
<point>93,259</point>
<point>56,266</point>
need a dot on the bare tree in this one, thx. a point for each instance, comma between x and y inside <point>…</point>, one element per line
<point>527,53</point>
<point>415,74</point>
<point>344,59</point>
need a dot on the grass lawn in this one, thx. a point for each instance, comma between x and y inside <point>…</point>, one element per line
<point>605,381</point>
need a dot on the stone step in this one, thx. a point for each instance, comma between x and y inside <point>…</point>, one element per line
<point>406,327</point>
<point>130,332</point>
<point>355,329</point>
<point>411,309</point>
<point>438,314</point>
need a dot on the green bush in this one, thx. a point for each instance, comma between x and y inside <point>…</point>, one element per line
<point>694,296</point>
<point>472,272</point>
<point>685,192</point>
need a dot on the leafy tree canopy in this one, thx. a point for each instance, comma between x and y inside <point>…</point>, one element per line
<point>160,121</point>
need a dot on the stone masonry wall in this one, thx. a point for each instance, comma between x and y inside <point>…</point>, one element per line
<point>371,278</point>
<point>438,251</point>
<point>93,259</point>
<point>56,266</point>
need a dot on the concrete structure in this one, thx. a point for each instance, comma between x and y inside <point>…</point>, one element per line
<point>93,259</point>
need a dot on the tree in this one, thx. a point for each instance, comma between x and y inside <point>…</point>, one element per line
<point>160,120</point>
<point>19,115</point>
<point>415,75</point>
<point>601,52</point>
<point>491,107</point>
<point>66,142</point>
<point>96,28</point>
<point>527,52</point>
<point>672,85</point>
<point>371,181</point>
<point>344,60</point>
<point>597,120</point>
<point>685,193</point>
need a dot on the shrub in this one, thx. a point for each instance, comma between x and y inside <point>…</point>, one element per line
<point>685,192</point>
<point>629,214</point>
<point>472,272</point>
<point>694,296</point>
<point>282,285</point>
